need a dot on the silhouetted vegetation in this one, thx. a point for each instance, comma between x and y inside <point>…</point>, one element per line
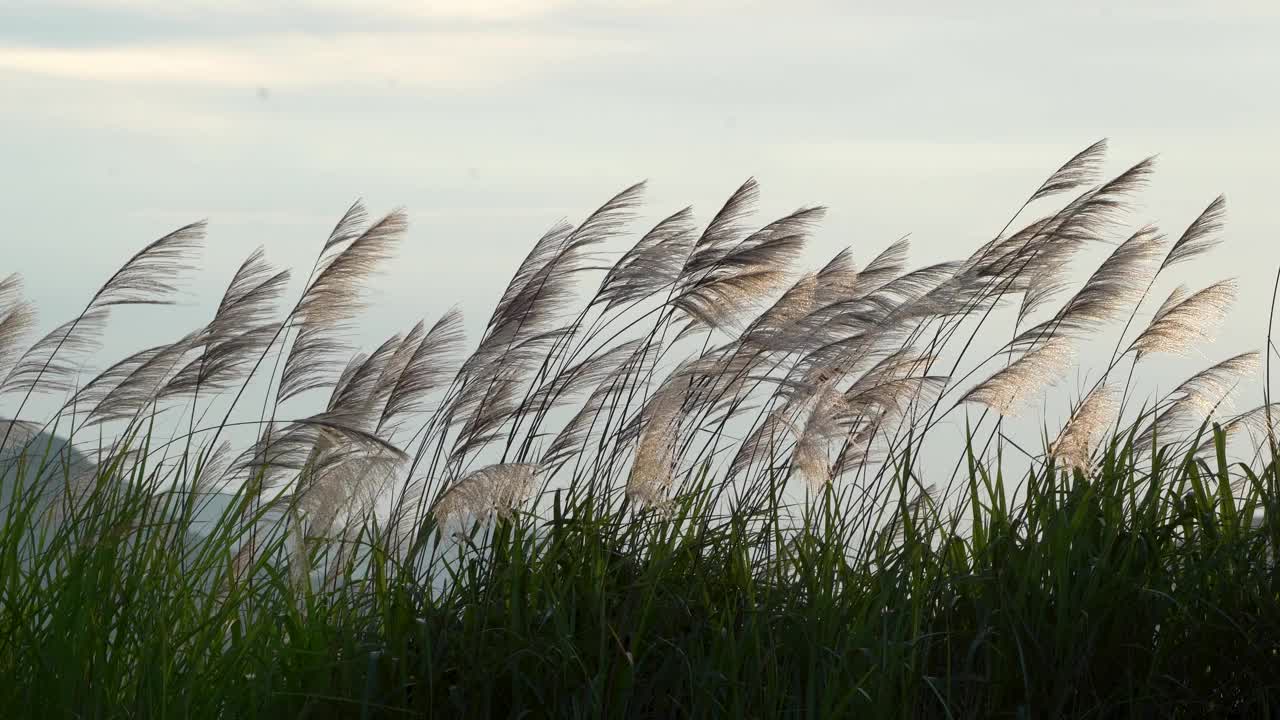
<point>705,489</point>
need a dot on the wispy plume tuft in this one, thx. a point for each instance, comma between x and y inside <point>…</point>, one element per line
<point>17,318</point>
<point>333,299</point>
<point>1076,172</point>
<point>1006,390</point>
<point>1182,321</point>
<point>1074,444</point>
<point>1200,236</point>
<point>148,278</point>
<point>497,489</point>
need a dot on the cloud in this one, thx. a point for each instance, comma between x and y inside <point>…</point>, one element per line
<point>437,8</point>
<point>457,59</point>
<point>478,10</point>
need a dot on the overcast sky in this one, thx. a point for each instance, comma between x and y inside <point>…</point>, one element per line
<point>490,120</point>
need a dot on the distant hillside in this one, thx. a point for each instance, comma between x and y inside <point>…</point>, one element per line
<point>55,461</point>
<point>43,455</point>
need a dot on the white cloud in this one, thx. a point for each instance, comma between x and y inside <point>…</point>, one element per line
<point>458,60</point>
<point>481,10</point>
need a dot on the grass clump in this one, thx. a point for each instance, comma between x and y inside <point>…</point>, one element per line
<point>713,487</point>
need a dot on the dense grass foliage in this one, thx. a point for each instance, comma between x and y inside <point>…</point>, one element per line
<point>711,488</point>
<point>1143,591</point>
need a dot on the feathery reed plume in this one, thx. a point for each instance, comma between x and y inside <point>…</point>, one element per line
<point>653,263</point>
<point>354,395</point>
<point>912,513</point>
<point>910,294</point>
<point>724,230</point>
<point>1005,390</point>
<point>1181,321</point>
<point>1074,444</point>
<point>148,277</point>
<point>341,482</point>
<point>523,332</point>
<point>313,444</point>
<point>22,430</point>
<point>98,387</point>
<point>822,375</point>
<point>531,287</point>
<point>1197,397</point>
<point>764,439</point>
<point>857,451</point>
<point>653,468</point>
<point>879,399</point>
<point>717,378</point>
<point>1076,172</point>
<point>336,470</point>
<point>17,452</point>
<point>811,457</point>
<point>1256,420</point>
<point>824,294</point>
<point>1041,288</point>
<point>141,378</point>
<point>223,362</point>
<point>542,285</point>
<point>1031,260</point>
<point>1200,235</point>
<point>497,489</point>
<point>853,414</point>
<point>17,317</point>
<point>240,331</point>
<point>250,298</point>
<point>1011,263</point>
<point>393,369</point>
<point>720,290</point>
<point>211,475</point>
<point>885,266</point>
<point>840,273</point>
<point>400,358</point>
<point>933,292</point>
<point>523,327</point>
<point>46,365</point>
<point>777,328</point>
<point>992,258</point>
<point>1176,297</point>
<point>574,435</point>
<point>346,230</point>
<point>1093,212</point>
<point>487,403</point>
<point>430,363</point>
<point>1116,284</point>
<point>893,380</point>
<point>836,282</point>
<point>1259,422</point>
<point>331,301</point>
<point>1207,387</point>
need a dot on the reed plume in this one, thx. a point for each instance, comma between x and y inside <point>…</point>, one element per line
<point>1184,320</point>
<point>1075,443</point>
<point>710,353</point>
<point>332,300</point>
<point>1005,390</point>
<point>494,489</point>
<point>17,318</point>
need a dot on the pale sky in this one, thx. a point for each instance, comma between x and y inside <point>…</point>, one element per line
<point>490,120</point>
